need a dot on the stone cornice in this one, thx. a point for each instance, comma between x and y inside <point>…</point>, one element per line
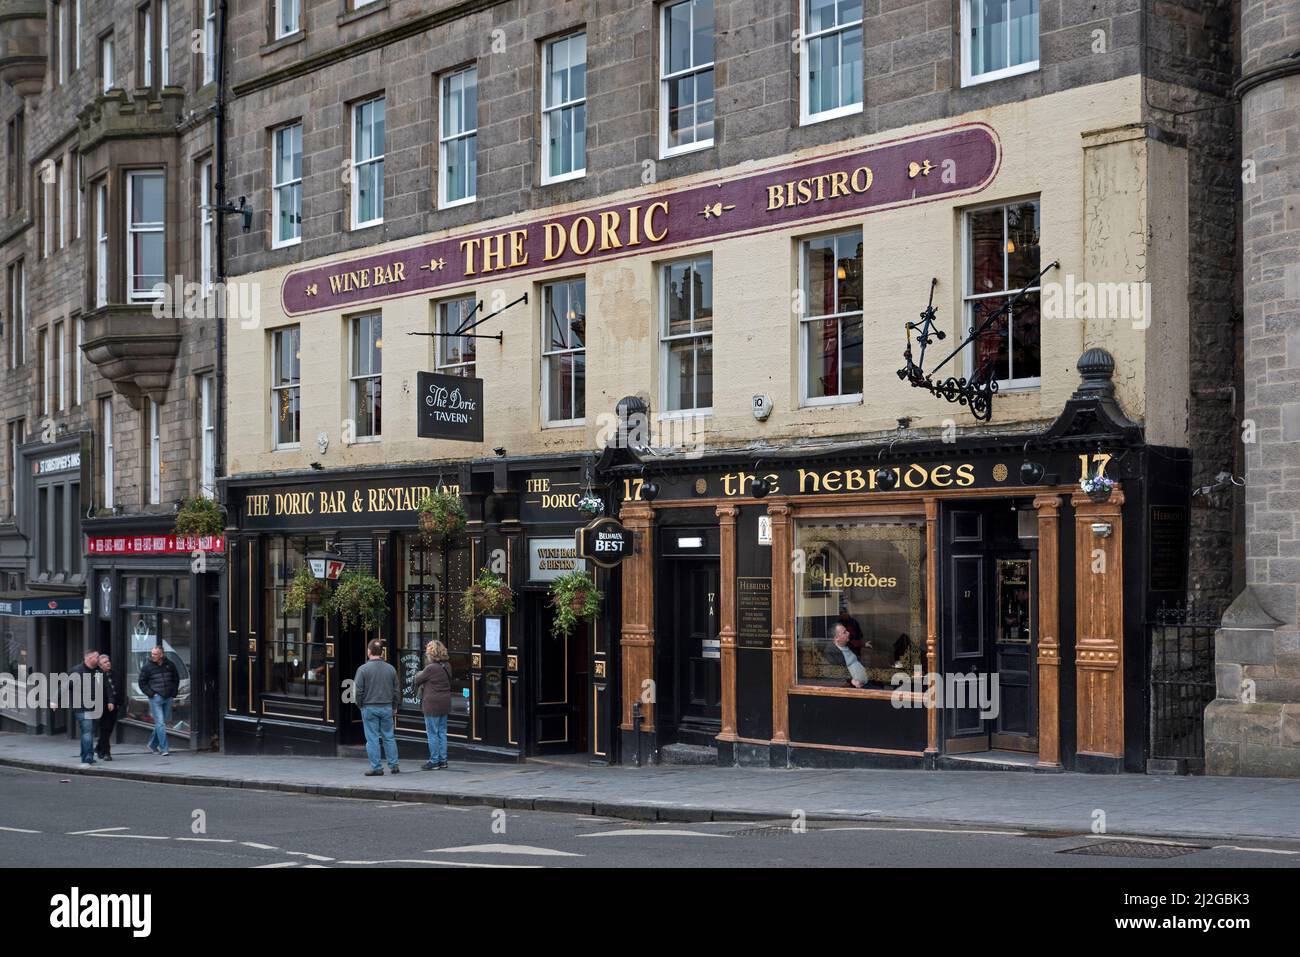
<point>1266,74</point>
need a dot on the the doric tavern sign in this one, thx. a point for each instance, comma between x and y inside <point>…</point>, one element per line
<point>450,407</point>
<point>953,162</point>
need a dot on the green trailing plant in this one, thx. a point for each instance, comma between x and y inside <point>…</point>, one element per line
<point>575,598</point>
<point>441,513</point>
<point>359,598</point>
<point>199,516</point>
<point>304,590</point>
<point>487,595</point>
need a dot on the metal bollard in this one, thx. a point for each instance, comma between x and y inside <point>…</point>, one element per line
<point>636,723</point>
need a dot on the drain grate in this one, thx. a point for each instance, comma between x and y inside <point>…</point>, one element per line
<point>1138,849</point>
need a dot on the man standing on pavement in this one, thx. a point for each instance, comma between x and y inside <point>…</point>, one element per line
<point>85,715</point>
<point>378,697</point>
<point>112,695</point>
<point>159,681</point>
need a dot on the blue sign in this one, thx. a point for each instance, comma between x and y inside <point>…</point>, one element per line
<point>41,607</point>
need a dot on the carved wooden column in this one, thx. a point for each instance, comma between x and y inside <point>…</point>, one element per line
<point>1099,642</point>
<point>932,614</point>
<point>638,639</point>
<point>727,632</point>
<point>1049,629</point>
<point>782,621</point>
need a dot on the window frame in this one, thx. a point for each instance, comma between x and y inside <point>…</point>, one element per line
<point>975,79</point>
<point>59,365</point>
<point>462,368</point>
<point>107,62</point>
<point>546,354</point>
<point>106,445</point>
<point>357,380</point>
<point>16,301</point>
<point>207,228</point>
<point>78,364</point>
<point>164,43</point>
<point>547,177</point>
<point>144,45</point>
<point>355,165</point>
<point>278,9</point>
<point>43,368</point>
<point>665,338</point>
<point>806,116</point>
<point>101,243</point>
<point>665,151</point>
<point>277,185</point>
<point>444,141</point>
<point>806,318</point>
<point>148,226</point>
<point>209,66</point>
<point>293,386</point>
<point>155,452</point>
<point>207,436</point>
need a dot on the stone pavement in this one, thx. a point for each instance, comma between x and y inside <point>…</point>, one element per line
<point>1134,804</point>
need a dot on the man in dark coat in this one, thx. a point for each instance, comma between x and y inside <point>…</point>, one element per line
<point>85,716</point>
<point>159,681</point>
<point>114,693</point>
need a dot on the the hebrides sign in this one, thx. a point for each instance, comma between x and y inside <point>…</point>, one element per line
<point>451,407</point>
<point>953,162</point>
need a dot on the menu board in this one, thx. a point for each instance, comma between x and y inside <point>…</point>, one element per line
<point>1168,538</point>
<point>410,667</point>
<point>754,612</point>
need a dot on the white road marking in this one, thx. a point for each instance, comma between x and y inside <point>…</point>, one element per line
<point>208,840</point>
<point>96,830</point>
<point>314,857</point>
<point>137,837</point>
<point>279,864</point>
<point>1256,850</point>
<point>922,830</point>
<point>441,863</point>
<point>502,849</point>
<point>19,830</point>
<point>655,833</point>
<point>260,847</point>
<point>405,804</point>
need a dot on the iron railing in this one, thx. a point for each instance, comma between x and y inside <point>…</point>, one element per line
<point>1182,682</point>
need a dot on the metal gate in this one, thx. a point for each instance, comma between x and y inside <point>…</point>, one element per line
<point>1182,685</point>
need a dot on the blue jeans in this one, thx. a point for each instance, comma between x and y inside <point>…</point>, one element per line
<point>378,723</point>
<point>160,709</point>
<point>435,726</point>
<point>86,725</point>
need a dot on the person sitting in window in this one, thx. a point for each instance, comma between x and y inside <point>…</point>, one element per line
<point>858,676</point>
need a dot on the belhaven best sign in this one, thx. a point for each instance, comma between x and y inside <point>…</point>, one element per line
<point>605,541</point>
<point>956,161</point>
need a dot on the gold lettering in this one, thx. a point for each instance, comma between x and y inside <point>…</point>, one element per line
<point>554,231</point>
<point>336,284</point>
<point>633,225</point>
<point>941,476</point>
<point>853,480</point>
<point>469,247</point>
<point>965,475</point>
<point>609,223</point>
<point>859,172</point>
<point>581,248</point>
<point>804,188</point>
<point>775,200</point>
<point>839,184</point>
<point>806,478</point>
<point>494,253</point>
<point>518,256</point>
<point>831,481</point>
<point>662,205</point>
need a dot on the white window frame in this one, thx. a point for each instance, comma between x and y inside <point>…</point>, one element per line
<point>164,44</point>
<point>79,358</point>
<point>446,140</point>
<point>555,108</point>
<point>369,160</point>
<point>43,360</point>
<point>278,185</point>
<point>547,421</point>
<point>147,74</point>
<point>844,398</point>
<point>18,314</point>
<point>975,79</point>
<point>60,33</point>
<point>106,63</point>
<point>666,339</point>
<point>208,438</point>
<point>969,298</point>
<point>60,213</point>
<point>356,378</point>
<point>665,78</point>
<point>207,229</point>
<point>281,7</point>
<point>101,244</point>
<point>806,116</point>
<point>79,188</point>
<point>76,40</point>
<point>145,227</point>
<point>155,453</point>
<point>106,425</point>
<point>209,41</point>
<point>60,363</point>
<point>47,212</point>
<point>441,342</point>
<point>278,336</point>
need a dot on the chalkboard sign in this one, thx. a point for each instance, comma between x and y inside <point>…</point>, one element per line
<point>410,667</point>
<point>754,612</point>
<point>1168,544</point>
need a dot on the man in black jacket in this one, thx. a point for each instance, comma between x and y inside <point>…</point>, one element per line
<point>112,691</point>
<point>85,716</point>
<point>159,681</point>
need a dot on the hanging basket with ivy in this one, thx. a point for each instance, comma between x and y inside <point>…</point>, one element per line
<point>199,516</point>
<point>359,599</point>
<point>304,591</point>
<point>575,598</point>
<point>487,595</point>
<point>441,513</point>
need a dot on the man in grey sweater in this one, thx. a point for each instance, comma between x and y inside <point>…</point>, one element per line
<point>378,697</point>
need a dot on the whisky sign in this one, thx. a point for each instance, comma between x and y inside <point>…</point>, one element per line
<point>957,161</point>
<point>451,407</point>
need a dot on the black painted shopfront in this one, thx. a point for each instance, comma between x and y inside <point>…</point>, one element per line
<point>519,689</point>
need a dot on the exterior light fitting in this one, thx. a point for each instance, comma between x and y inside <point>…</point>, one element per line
<point>886,479</point>
<point>1031,473</point>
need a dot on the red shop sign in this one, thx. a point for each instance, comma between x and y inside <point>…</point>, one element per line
<point>154,544</point>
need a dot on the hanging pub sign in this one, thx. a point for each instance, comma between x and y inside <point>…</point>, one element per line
<point>326,566</point>
<point>605,541</point>
<point>451,407</point>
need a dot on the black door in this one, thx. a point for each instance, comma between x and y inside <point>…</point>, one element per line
<point>966,652</point>
<point>1015,639</point>
<point>692,653</point>
<point>557,682</point>
<point>351,652</point>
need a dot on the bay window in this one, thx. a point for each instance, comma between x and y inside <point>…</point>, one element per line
<point>145,250</point>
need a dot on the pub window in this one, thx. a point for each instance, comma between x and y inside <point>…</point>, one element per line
<point>16,292</point>
<point>154,423</point>
<point>101,244</point>
<point>145,240</point>
<point>686,334</point>
<point>207,229</point>
<point>999,39</point>
<point>564,108</point>
<point>458,138</point>
<point>831,324</point>
<point>428,600</point>
<point>106,448</point>
<point>293,652</point>
<point>106,62</point>
<point>686,77</point>
<point>368,163</point>
<point>455,354</point>
<point>157,615</point>
<point>208,431</point>
<point>366,334</point>
<point>59,367</point>
<point>1002,257</point>
<point>867,575</point>
<point>286,191</point>
<point>285,362</point>
<point>830,58</point>
<point>288,17</point>
<point>564,352</point>
<point>209,41</point>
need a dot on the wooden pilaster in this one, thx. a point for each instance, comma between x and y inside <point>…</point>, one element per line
<point>1049,625</point>
<point>1099,643</point>
<point>782,620</point>
<point>727,630</point>
<point>932,614</point>
<point>638,617</point>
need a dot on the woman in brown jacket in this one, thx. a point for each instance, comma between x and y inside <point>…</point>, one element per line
<point>434,686</point>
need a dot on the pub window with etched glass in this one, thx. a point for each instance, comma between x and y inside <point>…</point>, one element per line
<point>564,352</point>
<point>455,355</point>
<point>868,576</point>
<point>686,334</point>
<point>431,582</point>
<point>366,334</point>
<point>831,320</point>
<point>999,39</point>
<point>156,612</point>
<point>293,649</point>
<point>686,91</point>
<point>285,411</point>
<point>1002,257</point>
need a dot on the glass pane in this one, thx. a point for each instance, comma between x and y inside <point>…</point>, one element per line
<point>819,266</point>
<point>823,352</point>
<point>820,15</point>
<point>702,294</point>
<point>703,33</point>
<point>677,298</point>
<point>681,375</point>
<point>851,362</point>
<point>469,100</point>
<point>988,35</point>
<point>578,66</point>
<point>566,381</point>
<point>370,195</point>
<point>823,54</point>
<point>681,111</point>
<point>990,345</point>
<point>986,250</point>
<point>1024,32</point>
<point>850,79</point>
<point>677,36</point>
<point>1026,338</point>
<point>577,314</point>
<point>1022,245</point>
<point>149,269</point>
<point>146,198</point>
<point>704,373</point>
<point>848,272</point>
<point>704,105</point>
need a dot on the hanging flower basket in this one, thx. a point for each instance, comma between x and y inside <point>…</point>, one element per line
<point>359,599</point>
<point>1098,487</point>
<point>441,514</point>
<point>487,595</point>
<point>304,591</point>
<point>591,506</point>
<point>200,516</point>
<point>575,598</point>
